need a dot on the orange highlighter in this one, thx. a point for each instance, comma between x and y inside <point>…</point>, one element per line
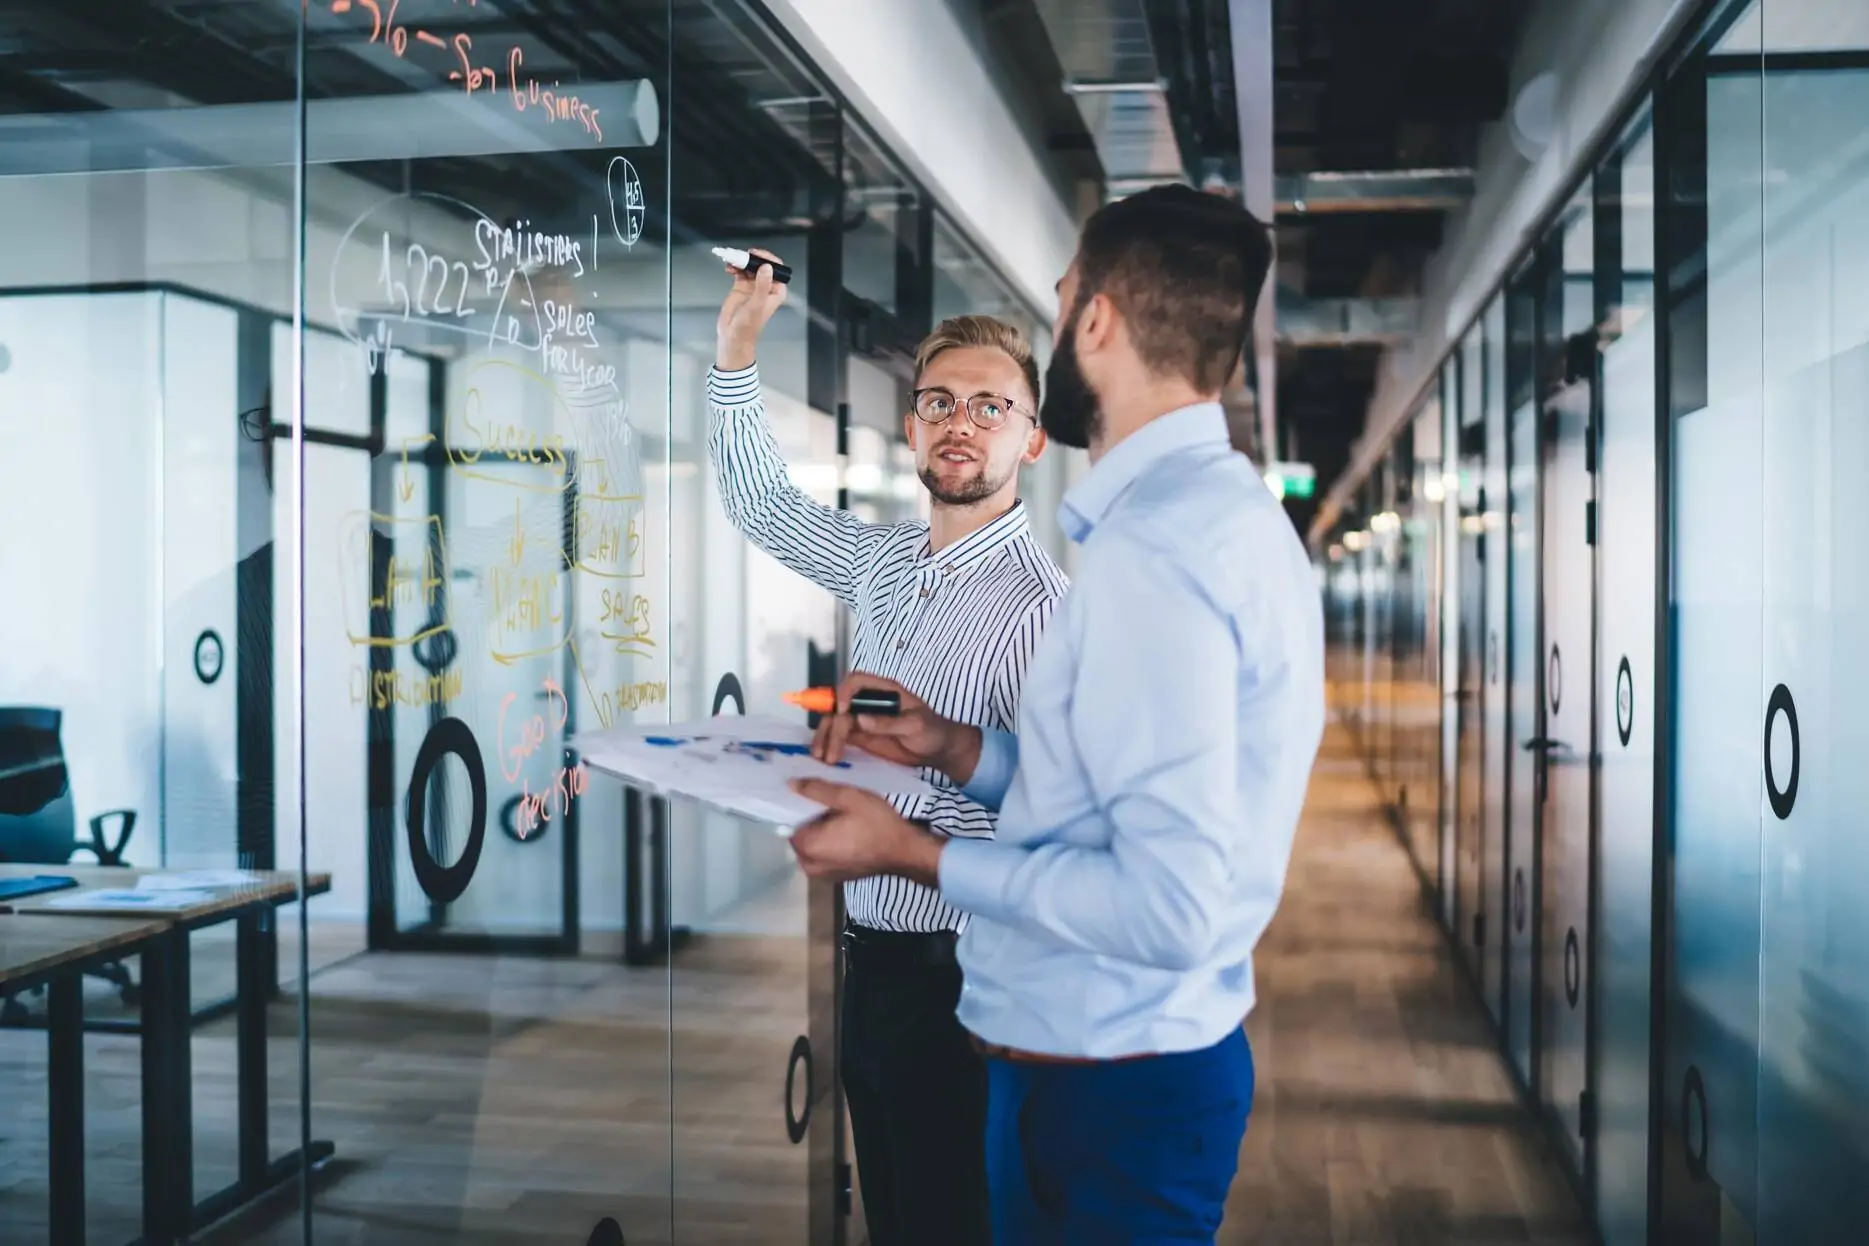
<point>863,701</point>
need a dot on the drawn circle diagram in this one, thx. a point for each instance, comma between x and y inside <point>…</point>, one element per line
<point>627,204</point>
<point>445,884</point>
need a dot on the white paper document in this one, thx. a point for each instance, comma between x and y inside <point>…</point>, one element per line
<point>740,765</point>
<point>196,880</point>
<point>129,900</point>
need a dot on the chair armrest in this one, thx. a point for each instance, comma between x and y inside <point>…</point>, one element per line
<point>109,853</point>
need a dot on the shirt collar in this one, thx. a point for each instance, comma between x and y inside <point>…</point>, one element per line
<point>1090,499</point>
<point>976,545</point>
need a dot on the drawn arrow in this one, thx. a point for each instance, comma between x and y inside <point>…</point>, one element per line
<point>516,548</point>
<point>406,487</point>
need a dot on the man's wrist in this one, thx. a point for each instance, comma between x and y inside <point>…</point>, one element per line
<point>921,857</point>
<point>735,356</point>
<point>960,754</point>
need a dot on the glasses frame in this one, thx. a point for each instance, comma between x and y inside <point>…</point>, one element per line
<point>966,404</point>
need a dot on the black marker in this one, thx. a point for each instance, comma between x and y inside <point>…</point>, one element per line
<point>749,263</point>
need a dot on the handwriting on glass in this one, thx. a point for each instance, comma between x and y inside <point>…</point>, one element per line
<point>525,93</point>
<point>563,784</point>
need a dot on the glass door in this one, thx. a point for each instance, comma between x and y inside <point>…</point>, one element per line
<point>1711,269</point>
<point>1471,857</point>
<point>1525,650</point>
<point>1495,553</point>
<point>486,246</point>
<point>1814,954</point>
<point>1564,750</point>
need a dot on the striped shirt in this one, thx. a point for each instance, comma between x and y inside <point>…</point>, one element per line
<point>955,626</point>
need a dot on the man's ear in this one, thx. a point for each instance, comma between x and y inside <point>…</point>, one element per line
<point>908,429</point>
<point>1096,324</point>
<point>1035,443</point>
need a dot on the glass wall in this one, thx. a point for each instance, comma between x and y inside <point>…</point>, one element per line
<point>355,461</point>
<point>1669,443</point>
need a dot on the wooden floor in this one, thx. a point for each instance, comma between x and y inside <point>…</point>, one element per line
<point>1383,1114</point>
<point>494,1100</point>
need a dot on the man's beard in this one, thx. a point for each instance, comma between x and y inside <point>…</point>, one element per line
<point>964,492</point>
<point>1070,414</point>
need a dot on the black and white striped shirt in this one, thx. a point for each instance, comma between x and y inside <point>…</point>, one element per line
<point>955,626</point>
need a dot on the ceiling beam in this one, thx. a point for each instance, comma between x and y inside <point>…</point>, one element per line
<point>1346,322</point>
<point>1250,23</point>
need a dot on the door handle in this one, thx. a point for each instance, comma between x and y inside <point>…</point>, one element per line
<point>1545,745</point>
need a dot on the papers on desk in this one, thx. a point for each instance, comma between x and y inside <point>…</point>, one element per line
<point>197,880</point>
<point>128,899</point>
<point>738,765</point>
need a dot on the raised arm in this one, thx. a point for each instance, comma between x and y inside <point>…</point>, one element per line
<point>828,546</point>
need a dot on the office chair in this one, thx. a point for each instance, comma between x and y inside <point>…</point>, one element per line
<point>38,825</point>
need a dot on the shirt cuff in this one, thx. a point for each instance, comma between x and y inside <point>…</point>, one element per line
<point>992,775</point>
<point>736,387</point>
<point>974,873</point>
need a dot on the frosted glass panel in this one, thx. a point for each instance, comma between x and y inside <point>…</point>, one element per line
<point>1718,602</point>
<point>1814,1040</point>
<point>1626,715</point>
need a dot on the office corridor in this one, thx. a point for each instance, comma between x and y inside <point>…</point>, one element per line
<point>1383,1114</point>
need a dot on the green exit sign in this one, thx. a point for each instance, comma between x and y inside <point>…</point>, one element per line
<point>1291,480</point>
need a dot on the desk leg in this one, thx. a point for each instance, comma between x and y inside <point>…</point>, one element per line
<point>168,1099</point>
<point>254,987</point>
<point>65,1088</point>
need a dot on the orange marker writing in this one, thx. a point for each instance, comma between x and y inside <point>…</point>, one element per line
<point>863,701</point>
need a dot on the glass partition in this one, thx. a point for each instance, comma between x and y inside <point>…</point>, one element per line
<point>1814,995</point>
<point>360,355</point>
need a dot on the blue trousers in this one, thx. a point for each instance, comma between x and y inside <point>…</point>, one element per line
<point>1128,1153</point>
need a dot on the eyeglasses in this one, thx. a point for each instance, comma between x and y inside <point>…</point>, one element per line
<point>937,406</point>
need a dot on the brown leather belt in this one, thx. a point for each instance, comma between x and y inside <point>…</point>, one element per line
<point>993,1051</point>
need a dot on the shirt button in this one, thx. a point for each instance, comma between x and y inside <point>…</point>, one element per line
<point>902,644</point>
<point>923,593</point>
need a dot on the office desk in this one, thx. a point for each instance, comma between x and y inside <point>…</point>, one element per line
<point>56,955</point>
<point>170,1210</point>
<point>274,888</point>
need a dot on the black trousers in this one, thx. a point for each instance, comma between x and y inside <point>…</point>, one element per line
<point>916,1090</point>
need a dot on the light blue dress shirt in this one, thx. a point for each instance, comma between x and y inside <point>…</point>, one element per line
<point>1167,729</point>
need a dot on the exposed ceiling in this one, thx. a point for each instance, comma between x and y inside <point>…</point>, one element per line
<point>1395,87</point>
<point>1109,89</point>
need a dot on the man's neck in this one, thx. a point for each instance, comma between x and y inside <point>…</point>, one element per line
<point>1124,414</point>
<point>948,524</point>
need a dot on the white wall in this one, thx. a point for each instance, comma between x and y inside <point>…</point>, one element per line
<point>914,76</point>
<point>81,567</point>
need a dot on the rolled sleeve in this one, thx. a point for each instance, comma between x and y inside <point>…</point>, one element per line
<point>999,758</point>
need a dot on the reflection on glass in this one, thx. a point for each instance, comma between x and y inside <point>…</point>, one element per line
<point>1814,1002</point>
<point>1718,603</point>
<point>1625,701</point>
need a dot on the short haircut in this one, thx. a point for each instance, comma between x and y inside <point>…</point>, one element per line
<point>1185,269</point>
<point>988,331</point>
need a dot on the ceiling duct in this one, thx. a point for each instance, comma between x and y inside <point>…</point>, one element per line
<point>1382,190</point>
<point>1304,322</point>
<point>1111,74</point>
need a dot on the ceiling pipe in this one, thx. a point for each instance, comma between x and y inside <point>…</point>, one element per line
<point>1111,74</point>
<point>1382,190</point>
